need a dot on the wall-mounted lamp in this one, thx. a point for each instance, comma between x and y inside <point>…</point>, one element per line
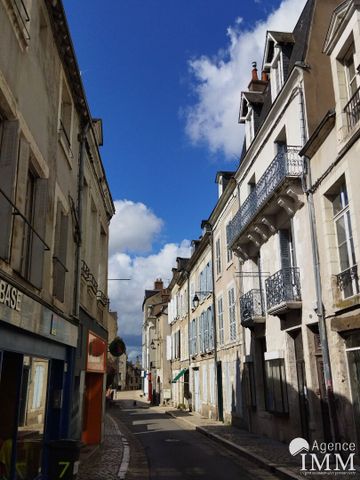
<point>196,300</point>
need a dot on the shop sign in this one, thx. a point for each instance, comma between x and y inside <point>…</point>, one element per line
<point>10,296</point>
<point>17,308</point>
<point>96,357</point>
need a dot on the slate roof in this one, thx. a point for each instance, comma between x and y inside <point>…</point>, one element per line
<point>299,37</point>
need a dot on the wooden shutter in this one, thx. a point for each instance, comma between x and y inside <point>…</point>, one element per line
<point>284,248</point>
<point>20,201</point>
<point>61,242</point>
<point>8,162</point>
<point>39,224</point>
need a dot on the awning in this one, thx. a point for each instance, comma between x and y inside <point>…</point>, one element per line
<point>179,375</point>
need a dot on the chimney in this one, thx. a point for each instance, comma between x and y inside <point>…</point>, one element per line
<point>257,85</point>
<point>158,284</point>
<point>254,74</point>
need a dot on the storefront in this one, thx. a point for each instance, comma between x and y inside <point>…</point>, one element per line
<point>94,389</point>
<point>37,349</point>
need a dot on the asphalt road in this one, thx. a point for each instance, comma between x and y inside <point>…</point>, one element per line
<point>175,451</point>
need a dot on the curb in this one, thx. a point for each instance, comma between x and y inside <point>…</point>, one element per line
<point>281,472</point>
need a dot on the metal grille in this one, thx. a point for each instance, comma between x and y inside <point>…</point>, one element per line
<point>283,286</point>
<point>352,109</point>
<point>348,281</point>
<point>251,305</point>
<point>285,164</point>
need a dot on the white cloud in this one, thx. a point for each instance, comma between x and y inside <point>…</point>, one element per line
<point>133,228</point>
<point>127,297</point>
<point>219,81</point>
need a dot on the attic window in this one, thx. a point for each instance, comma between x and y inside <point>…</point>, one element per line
<point>270,52</point>
<point>245,109</point>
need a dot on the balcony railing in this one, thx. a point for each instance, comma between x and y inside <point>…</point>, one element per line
<point>283,289</point>
<point>285,164</point>
<point>251,306</point>
<point>348,282</point>
<point>352,109</point>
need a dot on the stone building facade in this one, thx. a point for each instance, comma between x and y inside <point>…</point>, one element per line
<point>54,203</point>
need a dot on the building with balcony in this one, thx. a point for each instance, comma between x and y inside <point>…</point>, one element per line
<point>332,153</point>
<point>155,331</point>
<point>280,362</point>
<point>53,335</point>
<point>178,338</point>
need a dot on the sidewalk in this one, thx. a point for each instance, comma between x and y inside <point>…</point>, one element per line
<point>103,462</point>
<point>270,454</point>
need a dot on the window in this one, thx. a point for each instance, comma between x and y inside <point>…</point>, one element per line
<point>193,337</point>
<point>350,70</point>
<point>221,320</point>
<point>218,256</point>
<point>347,279</point>
<point>33,229</point>
<point>60,253</point>
<point>210,322</point>
<point>232,314</point>
<point>276,391</point>
<point>66,119</point>
<point>19,13</point>
<point>38,387</point>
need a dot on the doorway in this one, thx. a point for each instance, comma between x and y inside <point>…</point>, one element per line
<point>353,356</point>
<point>301,381</point>
<point>196,390</point>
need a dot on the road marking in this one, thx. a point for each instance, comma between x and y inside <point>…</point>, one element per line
<point>124,465</point>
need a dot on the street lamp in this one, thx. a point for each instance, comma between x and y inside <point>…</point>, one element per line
<point>196,300</point>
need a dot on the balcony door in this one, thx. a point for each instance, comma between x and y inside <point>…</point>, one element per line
<point>288,263</point>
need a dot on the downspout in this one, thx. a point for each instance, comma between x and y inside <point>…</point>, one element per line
<point>317,276</point>
<point>217,393</point>
<point>320,310</point>
<point>189,322</point>
<point>82,141</point>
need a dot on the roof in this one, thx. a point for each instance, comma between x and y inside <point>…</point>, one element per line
<point>299,38</point>
<point>253,97</point>
<point>282,37</point>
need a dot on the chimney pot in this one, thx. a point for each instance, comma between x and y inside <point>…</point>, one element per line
<point>264,76</point>
<point>254,75</point>
<point>158,284</point>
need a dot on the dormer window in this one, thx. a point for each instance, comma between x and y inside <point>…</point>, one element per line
<point>277,74</point>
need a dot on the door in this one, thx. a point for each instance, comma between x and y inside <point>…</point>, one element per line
<point>353,356</point>
<point>322,388</point>
<point>301,381</point>
<point>196,391</point>
<point>220,391</point>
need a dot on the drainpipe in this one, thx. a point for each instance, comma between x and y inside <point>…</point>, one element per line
<point>82,141</point>
<point>320,310</point>
<point>316,266</point>
<point>189,322</point>
<point>212,245</point>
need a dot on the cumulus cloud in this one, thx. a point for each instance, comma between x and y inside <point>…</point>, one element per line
<point>133,228</point>
<point>127,297</point>
<point>218,81</point>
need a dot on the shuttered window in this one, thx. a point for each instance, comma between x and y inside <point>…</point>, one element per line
<point>220,320</point>
<point>232,314</point>
<point>218,256</point>
<point>60,253</point>
<point>9,148</point>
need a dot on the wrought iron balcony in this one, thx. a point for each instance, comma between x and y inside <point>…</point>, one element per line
<point>252,308</point>
<point>285,165</point>
<point>348,282</point>
<point>352,110</point>
<point>283,291</point>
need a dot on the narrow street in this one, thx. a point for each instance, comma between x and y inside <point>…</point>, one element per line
<point>172,449</point>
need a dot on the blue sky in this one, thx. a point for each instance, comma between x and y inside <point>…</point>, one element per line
<point>165,76</point>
